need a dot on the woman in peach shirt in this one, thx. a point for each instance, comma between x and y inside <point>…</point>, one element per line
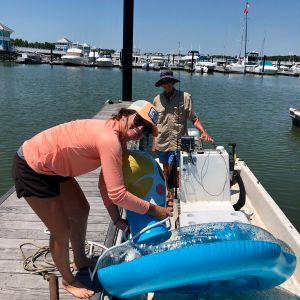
<point>44,169</point>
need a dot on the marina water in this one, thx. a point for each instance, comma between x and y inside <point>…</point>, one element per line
<point>251,111</point>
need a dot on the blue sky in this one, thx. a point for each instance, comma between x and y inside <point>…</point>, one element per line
<point>213,26</point>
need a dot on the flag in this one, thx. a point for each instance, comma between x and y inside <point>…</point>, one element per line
<point>246,8</point>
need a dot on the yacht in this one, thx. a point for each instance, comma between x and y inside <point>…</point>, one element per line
<point>93,56</point>
<point>158,60</point>
<point>260,68</point>
<point>116,58</point>
<point>29,58</point>
<point>105,61</point>
<point>189,60</point>
<point>205,65</point>
<point>74,57</point>
<point>296,68</point>
<point>200,68</point>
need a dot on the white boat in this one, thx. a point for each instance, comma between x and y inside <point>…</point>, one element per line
<point>105,61</point>
<point>295,115</point>
<point>205,66</point>
<point>93,56</point>
<point>190,60</point>
<point>29,58</point>
<point>74,57</point>
<point>208,199</point>
<point>237,67</point>
<point>201,69</point>
<point>283,68</point>
<point>296,68</point>
<point>116,58</point>
<point>148,65</point>
<point>268,68</point>
<point>158,60</point>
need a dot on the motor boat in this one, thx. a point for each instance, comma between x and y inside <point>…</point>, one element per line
<point>263,68</point>
<point>296,68</point>
<point>29,58</point>
<point>105,61</point>
<point>74,57</point>
<point>214,247</point>
<point>237,67</point>
<point>93,56</point>
<point>295,115</point>
<point>204,66</point>
<point>201,68</point>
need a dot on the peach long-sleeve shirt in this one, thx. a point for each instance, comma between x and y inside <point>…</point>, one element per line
<point>78,147</point>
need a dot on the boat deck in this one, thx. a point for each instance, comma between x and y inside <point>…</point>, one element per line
<point>19,224</point>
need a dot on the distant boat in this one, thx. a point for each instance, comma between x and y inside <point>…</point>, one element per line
<point>74,57</point>
<point>237,67</point>
<point>158,60</point>
<point>93,56</point>
<point>295,115</point>
<point>29,58</point>
<point>261,68</point>
<point>105,61</point>
<point>204,66</point>
<point>296,68</point>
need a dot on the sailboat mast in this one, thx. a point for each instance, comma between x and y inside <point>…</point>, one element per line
<point>246,21</point>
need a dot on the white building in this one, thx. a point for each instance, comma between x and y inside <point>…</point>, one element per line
<point>63,44</point>
<point>5,33</point>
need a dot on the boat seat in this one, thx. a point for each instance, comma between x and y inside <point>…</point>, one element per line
<point>201,217</point>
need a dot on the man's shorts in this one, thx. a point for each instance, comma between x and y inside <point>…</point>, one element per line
<point>167,157</point>
<point>29,183</point>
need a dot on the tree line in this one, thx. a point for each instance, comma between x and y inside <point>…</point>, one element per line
<point>47,45</point>
<point>26,44</point>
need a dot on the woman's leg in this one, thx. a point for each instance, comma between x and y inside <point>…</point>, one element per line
<point>77,209</point>
<point>51,212</point>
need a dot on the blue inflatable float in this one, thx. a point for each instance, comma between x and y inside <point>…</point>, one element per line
<point>205,258</point>
<point>213,257</point>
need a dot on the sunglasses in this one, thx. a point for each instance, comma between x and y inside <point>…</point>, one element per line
<point>139,121</point>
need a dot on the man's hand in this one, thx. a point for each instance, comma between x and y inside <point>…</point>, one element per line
<point>205,137</point>
<point>159,212</point>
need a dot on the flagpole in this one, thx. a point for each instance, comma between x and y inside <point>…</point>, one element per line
<point>246,31</point>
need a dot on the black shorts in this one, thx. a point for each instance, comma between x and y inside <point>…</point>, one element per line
<point>29,183</point>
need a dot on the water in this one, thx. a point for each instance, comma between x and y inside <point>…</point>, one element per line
<point>249,110</point>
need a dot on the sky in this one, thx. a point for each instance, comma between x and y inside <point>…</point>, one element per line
<point>209,26</point>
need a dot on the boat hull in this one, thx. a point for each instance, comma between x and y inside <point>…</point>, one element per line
<point>73,61</point>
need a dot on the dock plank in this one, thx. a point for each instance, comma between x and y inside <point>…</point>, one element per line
<point>19,224</point>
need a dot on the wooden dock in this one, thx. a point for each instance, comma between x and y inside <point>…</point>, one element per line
<point>19,224</point>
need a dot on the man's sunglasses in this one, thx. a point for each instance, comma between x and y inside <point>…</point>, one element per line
<point>139,121</point>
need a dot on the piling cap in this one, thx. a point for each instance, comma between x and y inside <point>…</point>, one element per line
<point>148,112</point>
<point>166,75</point>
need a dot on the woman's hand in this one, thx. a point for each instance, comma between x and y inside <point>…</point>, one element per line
<point>159,212</point>
<point>121,224</point>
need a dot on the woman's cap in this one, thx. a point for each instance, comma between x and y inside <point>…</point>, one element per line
<point>166,75</point>
<point>148,112</point>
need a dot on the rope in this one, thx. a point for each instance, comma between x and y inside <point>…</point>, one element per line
<point>39,262</point>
